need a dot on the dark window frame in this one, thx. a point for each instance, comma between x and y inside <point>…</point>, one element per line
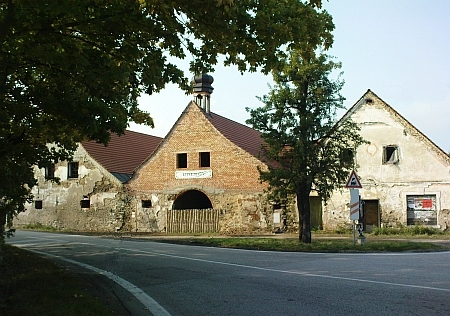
<point>85,202</point>
<point>72,170</point>
<point>38,204</point>
<point>347,157</point>
<point>182,161</point>
<point>204,159</point>
<point>50,171</point>
<point>390,155</point>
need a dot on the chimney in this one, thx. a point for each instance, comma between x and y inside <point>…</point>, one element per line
<point>203,90</point>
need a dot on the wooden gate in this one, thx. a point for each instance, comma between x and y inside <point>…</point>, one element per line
<point>193,221</point>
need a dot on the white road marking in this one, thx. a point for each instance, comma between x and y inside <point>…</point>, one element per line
<point>291,272</point>
<point>300,273</point>
<point>145,299</point>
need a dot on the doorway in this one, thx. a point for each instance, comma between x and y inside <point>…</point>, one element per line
<point>371,215</point>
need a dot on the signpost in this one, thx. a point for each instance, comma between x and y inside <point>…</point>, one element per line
<point>354,185</point>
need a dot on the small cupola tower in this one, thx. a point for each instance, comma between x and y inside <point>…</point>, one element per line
<point>203,90</point>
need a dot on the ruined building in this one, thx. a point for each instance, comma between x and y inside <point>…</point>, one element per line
<point>203,177</point>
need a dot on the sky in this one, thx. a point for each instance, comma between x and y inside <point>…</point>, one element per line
<point>398,49</point>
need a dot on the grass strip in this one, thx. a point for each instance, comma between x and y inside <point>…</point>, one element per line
<point>317,245</point>
<point>32,285</point>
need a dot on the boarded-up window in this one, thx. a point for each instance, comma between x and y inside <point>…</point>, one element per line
<point>390,155</point>
<point>422,210</point>
<point>182,160</point>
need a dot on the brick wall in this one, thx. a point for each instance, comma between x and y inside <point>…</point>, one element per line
<point>234,187</point>
<point>232,167</point>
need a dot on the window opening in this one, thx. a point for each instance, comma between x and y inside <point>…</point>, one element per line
<point>85,202</point>
<point>146,203</point>
<point>38,204</point>
<point>72,170</point>
<point>50,171</point>
<point>347,157</point>
<point>205,160</point>
<point>390,154</point>
<point>182,160</point>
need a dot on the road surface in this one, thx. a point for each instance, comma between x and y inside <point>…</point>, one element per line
<point>170,279</point>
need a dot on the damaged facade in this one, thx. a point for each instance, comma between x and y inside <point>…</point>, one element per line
<point>203,177</point>
<point>405,177</point>
<point>90,195</point>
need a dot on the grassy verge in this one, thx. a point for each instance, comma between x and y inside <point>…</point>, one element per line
<point>31,285</point>
<point>317,245</point>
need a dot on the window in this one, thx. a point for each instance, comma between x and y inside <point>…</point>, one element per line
<point>390,154</point>
<point>85,202</point>
<point>146,203</point>
<point>347,157</point>
<point>50,171</point>
<point>72,170</point>
<point>182,160</point>
<point>38,204</point>
<point>205,159</point>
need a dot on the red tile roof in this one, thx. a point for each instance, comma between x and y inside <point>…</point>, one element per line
<point>124,153</point>
<point>241,135</point>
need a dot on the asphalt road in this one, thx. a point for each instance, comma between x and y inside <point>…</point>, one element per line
<point>169,279</point>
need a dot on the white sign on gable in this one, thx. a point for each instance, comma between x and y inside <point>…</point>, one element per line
<point>353,181</point>
<point>193,174</point>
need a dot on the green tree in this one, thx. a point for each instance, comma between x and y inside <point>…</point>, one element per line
<point>72,71</point>
<point>307,148</point>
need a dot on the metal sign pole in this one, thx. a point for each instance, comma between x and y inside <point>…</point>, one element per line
<point>354,184</point>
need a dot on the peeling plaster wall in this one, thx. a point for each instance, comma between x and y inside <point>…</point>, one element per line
<point>61,207</point>
<point>422,169</point>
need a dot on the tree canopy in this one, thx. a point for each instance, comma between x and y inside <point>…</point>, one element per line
<point>309,149</point>
<point>72,71</point>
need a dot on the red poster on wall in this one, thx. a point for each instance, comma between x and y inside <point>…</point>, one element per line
<point>427,203</point>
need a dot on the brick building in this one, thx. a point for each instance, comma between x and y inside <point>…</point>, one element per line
<point>203,177</point>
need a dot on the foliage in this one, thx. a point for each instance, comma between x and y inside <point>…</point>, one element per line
<point>415,230</point>
<point>305,145</point>
<point>72,71</point>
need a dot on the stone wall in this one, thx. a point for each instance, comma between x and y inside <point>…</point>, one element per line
<point>61,207</point>
<point>240,213</point>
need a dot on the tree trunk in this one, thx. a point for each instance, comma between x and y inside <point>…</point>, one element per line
<point>2,226</point>
<point>304,216</point>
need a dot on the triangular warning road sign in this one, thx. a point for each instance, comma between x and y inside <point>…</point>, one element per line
<point>353,181</point>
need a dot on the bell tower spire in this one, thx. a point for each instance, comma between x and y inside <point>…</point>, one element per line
<point>203,90</point>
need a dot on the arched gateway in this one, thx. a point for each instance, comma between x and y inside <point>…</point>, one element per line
<point>192,212</point>
<point>192,199</point>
